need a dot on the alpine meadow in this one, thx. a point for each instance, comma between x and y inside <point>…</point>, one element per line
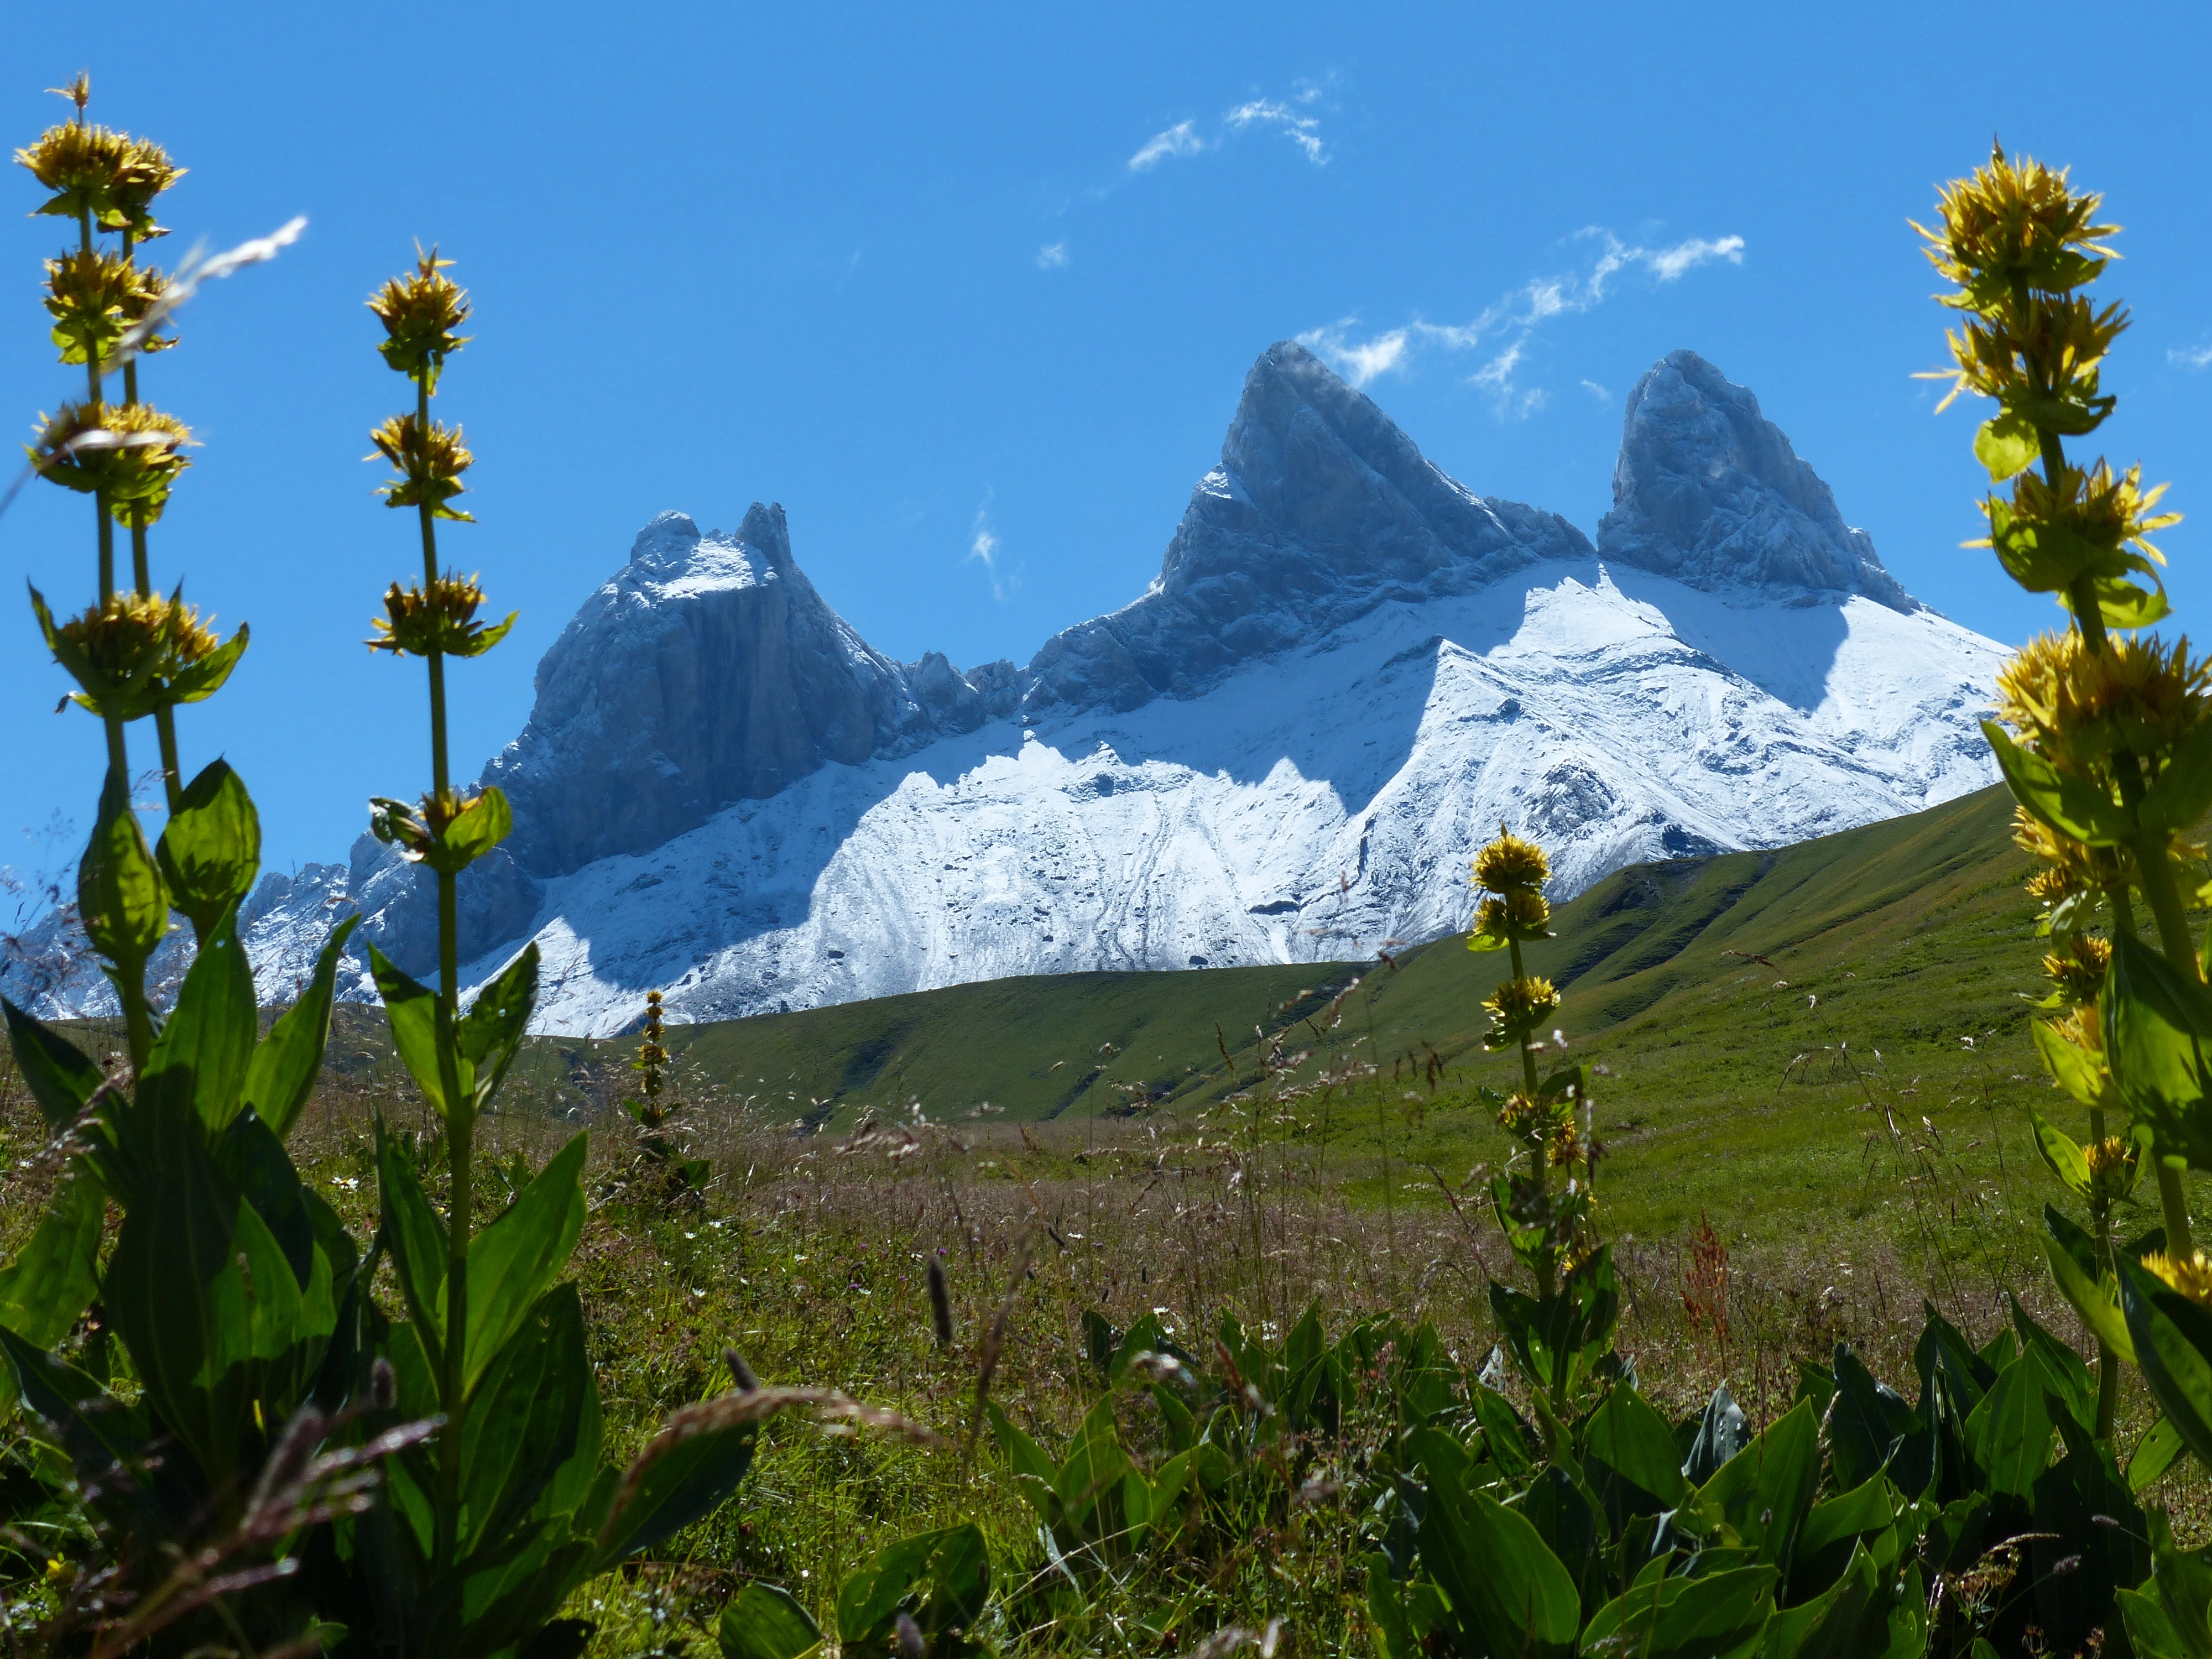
<point>1434,1087</point>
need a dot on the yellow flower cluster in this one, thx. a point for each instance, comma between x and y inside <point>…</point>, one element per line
<point>110,175</point>
<point>134,634</point>
<point>2077,970</point>
<point>430,459</point>
<point>418,622</point>
<point>1517,1006</point>
<point>1510,864</point>
<point>127,452</point>
<point>420,313</point>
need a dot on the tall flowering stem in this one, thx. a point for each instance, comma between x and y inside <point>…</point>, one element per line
<point>433,619</point>
<point>133,654</point>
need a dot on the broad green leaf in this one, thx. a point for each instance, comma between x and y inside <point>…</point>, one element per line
<point>1870,1421</point>
<point>178,1298</point>
<point>941,1579</point>
<point>1723,1430</point>
<point>2064,1375</point>
<point>286,1063</point>
<point>763,1621</point>
<point>514,1261</point>
<point>1022,1455</point>
<point>56,1072</point>
<point>54,1277</point>
<point>412,1010</point>
<point>2155,1454</point>
<point>523,1418</point>
<point>2183,1578</point>
<point>2151,1634</point>
<point>673,1485</point>
<point>199,1062</point>
<point>2067,804</point>
<point>1095,1462</point>
<point>417,1240</point>
<point>203,678</point>
<point>2183,792</point>
<point>121,898</point>
<point>2007,444</point>
<point>480,828</point>
<point>1503,1582</point>
<point>2008,1436</point>
<point>2154,1025</point>
<point>210,849</point>
<point>2089,1539</point>
<point>490,1032</point>
<point>1715,1616</point>
<point>1386,1612</point>
<point>1627,1437</point>
<point>1833,1530</point>
<point>1762,1493</point>
<point>2061,1153</point>
<point>2095,1295</point>
<point>95,1431</point>
<point>2173,1346</point>
<point>2079,1073</point>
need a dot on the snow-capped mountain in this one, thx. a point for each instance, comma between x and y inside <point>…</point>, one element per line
<point>1350,669</point>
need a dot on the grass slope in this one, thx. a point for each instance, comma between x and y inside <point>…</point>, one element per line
<point>1936,893</point>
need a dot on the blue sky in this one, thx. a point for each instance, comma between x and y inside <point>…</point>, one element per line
<point>976,281</point>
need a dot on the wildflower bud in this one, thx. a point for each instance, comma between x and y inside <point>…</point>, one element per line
<point>420,312</point>
<point>940,1304</point>
<point>110,175</point>
<point>430,459</point>
<point>1510,864</point>
<point>741,1374</point>
<point>94,295</point>
<point>441,618</point>
<point>1517,1007</point>
<point>2078,971</point>
<point>383,1385</point>
<point>136,653</point>
<point>127,452</point>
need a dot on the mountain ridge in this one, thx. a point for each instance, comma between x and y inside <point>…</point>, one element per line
<point>1349,665</point>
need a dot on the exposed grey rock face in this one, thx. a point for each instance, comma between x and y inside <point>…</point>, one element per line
<point>708,671</point>
<point>1708,491</point>
<point>1320,510</point>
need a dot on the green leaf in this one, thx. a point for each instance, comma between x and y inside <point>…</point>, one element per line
<point>206,678</point>
<point>1868,1423</point>
<point>2154,1025</point>
<point>490,1032</point>
<point>1833,1531</point>
<point>2095,1294</point>
<point>1625,1436</point>
<point>2064,1375</point>
<point>2061,1154</point>
<point>524,1420</point>
<point>2079,1073</point>
<point>210,849</point>
<point>412,1010</point>
<point>482,824</point>
<point>1096,1462</point>
<point>673,1485</point>
<point>199,1062</point>
<point>2151,1634</point>
<point>2173,1346</point>
<point>2067,804</point>
<point>1503,1582</point>
<point>55,1276</point>
<point>416,1239</point>
<point>1762,1493</point>
<point>2183,792</point>
<point>763,1621</point>
<point>1677,1617</point>
<point>2155,1454</point>
<point>2183,1578</point>
<point>941,1579</point>
<point>121,898</point>
<point>56,1072</point>
<point>514,1261</point>
<point>286,1063</point>
<point>2008,1435</point>
<point>2006,445</point>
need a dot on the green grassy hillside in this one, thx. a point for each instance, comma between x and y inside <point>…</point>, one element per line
<point>1927,907</point>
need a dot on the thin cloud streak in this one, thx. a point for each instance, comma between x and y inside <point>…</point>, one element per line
<point>2191,357</point>
<point>1506,327</point>
<point>1052,257</point>
<point>1304,131</point>
<point>983,549</point>
<point>1181,139</point>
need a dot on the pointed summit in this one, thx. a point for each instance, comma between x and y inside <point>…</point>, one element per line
<point>1708,490</point>
<point>1320,510</point>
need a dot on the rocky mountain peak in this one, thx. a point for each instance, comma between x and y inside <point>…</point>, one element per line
<point>1320,510</point>
<point>1708,490</point>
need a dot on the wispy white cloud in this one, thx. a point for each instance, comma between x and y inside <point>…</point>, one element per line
<point>1053,256</point>
<point>1304,131</point>
<point>1506,327</point>
<point>1181,139</point>
<point>2191,357</point>
<point>983,549</point>
<point>1598,391</point>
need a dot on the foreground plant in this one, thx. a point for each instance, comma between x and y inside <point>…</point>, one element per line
<point>2104,736</point>
<point>1561,1337</point>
